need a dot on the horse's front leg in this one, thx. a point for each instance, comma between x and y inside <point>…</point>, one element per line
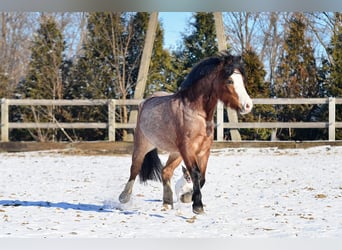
<point>203,162</point>
<point>197,205</point>
<point>191,163</point>
<point>197,167</point>
<point>172,163</point>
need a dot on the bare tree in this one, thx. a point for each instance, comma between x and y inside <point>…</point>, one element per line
<point>74,28</point>
<point>16,30</point>
<point>242,28</point>
<point>321,26</point>
<point>263,32</point>
<point>272,42</point>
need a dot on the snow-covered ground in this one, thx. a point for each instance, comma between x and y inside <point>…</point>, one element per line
<point>264,192</point>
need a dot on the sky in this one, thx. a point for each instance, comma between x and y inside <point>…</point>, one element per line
<point>174,23</point>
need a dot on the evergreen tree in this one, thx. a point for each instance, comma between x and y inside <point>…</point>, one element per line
<point>161,71</point>
<point>258,88</point>
<point>201,42</point>
<point>113,52</point>
<point>44,78</point>
<point>297,69</point>
<point>110,62</point>
<point>94,74</point>
<point>335,81</point>
<point>96,70</point>
<point>296,76</point>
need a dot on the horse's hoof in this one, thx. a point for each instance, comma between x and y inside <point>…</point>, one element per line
<point>124,197</point>
<point>167,206</point>
<point>198,210</point>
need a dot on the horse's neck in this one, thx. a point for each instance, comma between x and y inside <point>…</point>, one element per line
<point>207,99</point>
<point>207,106</point>
<point>203,102</point>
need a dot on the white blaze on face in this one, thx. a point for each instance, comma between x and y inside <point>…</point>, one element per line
<point>239,86</point>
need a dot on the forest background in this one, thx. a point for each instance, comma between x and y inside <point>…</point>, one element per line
<point>96,55</point>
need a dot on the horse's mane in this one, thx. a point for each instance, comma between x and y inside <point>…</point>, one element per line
<point>208,65</point>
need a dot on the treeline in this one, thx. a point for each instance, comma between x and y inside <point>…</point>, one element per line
<point>97,56</point>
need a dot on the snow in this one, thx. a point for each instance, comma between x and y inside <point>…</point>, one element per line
<point>249,192</point>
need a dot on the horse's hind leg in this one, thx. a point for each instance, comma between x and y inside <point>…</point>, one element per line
<point>172,163</point>
<point>125,195</point>
<point>141,148</point>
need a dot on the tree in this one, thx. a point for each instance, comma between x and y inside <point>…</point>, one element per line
<point>101,69</point>
<point>242,29</point>
<point>198,43</point>
<point>335,51</point>
<point>44,80</point>
<point>44,76</point>
<point>16,29</point>
<point>258,88</point>
<point>4,86</point>
<point>162,73</point>
<point>335,80</point>
<point>96,71</point>
<point>297,75</point>
<point>110,62</point>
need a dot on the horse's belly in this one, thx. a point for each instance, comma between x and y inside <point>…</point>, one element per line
<point>161,141</point>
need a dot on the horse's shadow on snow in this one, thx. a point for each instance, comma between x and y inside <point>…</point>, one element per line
<point>108,207</point>
<point>61,205</point>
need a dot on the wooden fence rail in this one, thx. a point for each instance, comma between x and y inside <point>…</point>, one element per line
<point>112,125</point>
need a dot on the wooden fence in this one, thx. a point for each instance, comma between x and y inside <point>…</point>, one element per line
<point>112,125</point>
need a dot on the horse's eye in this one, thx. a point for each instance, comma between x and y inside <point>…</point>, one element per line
<point>230,81</point>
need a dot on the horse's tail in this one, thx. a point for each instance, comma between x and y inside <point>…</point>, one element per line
<point>151,167</point>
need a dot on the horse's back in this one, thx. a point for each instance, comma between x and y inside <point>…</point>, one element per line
<point>160,93</point>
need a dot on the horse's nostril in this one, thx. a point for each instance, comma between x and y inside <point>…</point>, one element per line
<point>248,106</point>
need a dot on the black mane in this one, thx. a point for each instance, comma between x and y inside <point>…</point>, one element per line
<point>208,65</point>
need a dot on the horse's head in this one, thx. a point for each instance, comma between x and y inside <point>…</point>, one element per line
<point>231,84</point>
<point>223,76</point>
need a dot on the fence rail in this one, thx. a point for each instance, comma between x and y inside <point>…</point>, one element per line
<point>112,125</point>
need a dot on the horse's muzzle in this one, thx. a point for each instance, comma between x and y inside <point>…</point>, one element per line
<point>246,107</point>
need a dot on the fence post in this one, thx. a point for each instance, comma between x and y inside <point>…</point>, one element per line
<point>219,121</point>
<point>4,120</point>
<point>332,118</point>
<point>232,114</point>
<point>111,120</point>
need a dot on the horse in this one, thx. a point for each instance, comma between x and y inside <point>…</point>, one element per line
<point>182,125</point>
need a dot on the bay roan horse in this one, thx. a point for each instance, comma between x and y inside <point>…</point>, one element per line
<point>182,124</point>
